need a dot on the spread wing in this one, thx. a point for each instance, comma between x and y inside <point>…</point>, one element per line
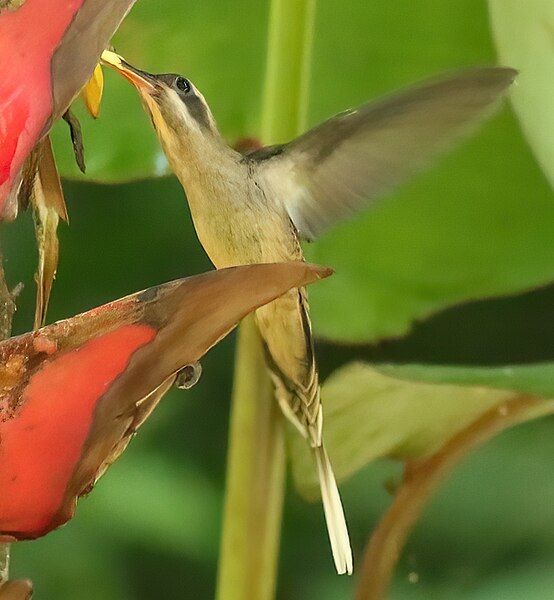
<point>343,165</point>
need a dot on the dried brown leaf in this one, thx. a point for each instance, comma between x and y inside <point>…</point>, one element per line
<point>49,206</point>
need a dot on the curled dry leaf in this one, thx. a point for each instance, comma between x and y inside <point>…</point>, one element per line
<point>429,417</point>
<point>422,477</point>
<point>76,139</point>
<point>72,394</point>
<point>49,205</point>
<point>46,62</point>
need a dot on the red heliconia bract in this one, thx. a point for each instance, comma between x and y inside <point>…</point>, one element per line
<point>72,394</point>
<point>48,51</point>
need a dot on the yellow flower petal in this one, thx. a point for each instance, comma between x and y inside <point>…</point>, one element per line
<point>92,92</point>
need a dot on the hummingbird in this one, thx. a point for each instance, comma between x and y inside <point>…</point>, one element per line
<point>259,207</point>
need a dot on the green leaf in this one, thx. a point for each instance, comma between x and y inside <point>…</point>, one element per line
<point>146,498</point>
<point>371,414</point>
<point>479,224</point>
<point>524,35</point>
<point>535,379</point>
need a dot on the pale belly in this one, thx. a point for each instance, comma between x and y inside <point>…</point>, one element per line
<point>234,236</point>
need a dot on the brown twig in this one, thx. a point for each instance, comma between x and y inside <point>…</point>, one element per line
<point>421,477</point>
<point>21,589</point>
<point>7,308</point>
<point>4,563</point>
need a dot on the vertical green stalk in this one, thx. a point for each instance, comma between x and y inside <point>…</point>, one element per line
<point>256,458</point>
<point>255,479</point>
<point>7,308</point>
<point>289,58</point>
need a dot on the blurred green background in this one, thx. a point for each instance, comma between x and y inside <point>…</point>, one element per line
<point>478,225</point>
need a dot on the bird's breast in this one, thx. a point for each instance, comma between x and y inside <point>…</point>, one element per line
<point>238,224</point>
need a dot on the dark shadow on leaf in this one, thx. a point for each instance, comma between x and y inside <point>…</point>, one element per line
<point>509,330</point>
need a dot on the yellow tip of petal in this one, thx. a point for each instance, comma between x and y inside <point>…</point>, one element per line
<point>92,92</point>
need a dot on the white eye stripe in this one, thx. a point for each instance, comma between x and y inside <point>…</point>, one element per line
<point>182,107</point>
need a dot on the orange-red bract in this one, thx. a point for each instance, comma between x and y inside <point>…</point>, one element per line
<point>48,51</point>
<point>73,393</point>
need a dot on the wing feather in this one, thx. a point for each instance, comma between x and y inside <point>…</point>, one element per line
<point>343,165</point>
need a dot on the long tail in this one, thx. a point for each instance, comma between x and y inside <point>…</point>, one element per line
<point>298,393</point>
<point>334,513</point>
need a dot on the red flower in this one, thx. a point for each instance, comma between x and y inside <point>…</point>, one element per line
<point>48,50</point>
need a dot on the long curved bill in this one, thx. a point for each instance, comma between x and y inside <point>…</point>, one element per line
<point>141,79</point>
<point>75,392</point>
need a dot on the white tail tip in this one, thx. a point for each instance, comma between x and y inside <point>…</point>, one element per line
<point>334,513</point>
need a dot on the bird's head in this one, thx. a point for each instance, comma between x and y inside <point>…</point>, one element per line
<point>179,112</point>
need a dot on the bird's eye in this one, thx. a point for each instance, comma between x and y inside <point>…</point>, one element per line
<point>182,84</point>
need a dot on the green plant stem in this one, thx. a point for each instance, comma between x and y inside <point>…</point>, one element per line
<point>7,308</point>
<point>288,74</point>
<point>255,484</point>
<point>255,479</point>
<point>421,479</point>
